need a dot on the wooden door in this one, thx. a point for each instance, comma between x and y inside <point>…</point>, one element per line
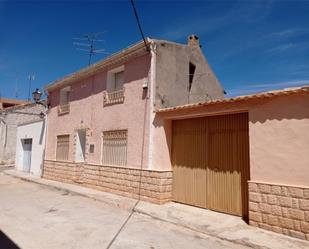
<point>189,161</point>
<point>228,164</point>
<point>211,162</point>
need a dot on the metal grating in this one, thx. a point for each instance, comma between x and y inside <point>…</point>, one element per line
<point>63,144</point>
<point>63,109</point>
<point>115,148</point>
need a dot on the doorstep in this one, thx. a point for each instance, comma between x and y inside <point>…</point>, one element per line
<point>6,166</point>
<point>219,225</point>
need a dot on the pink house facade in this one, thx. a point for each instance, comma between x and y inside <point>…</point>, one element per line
<point>275,190</point>
<point>102,130</point>
<point>151,123</point>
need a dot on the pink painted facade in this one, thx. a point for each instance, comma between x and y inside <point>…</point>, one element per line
<point>154,83</point>
<point>278,133</point>
<point>278,186</point>
<point>279,141</point>
<point>153,78</point>
<point>87,111</point>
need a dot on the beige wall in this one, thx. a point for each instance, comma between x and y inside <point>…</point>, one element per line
<point>172,76</point>
<point>86,110</point>
<point>279,140</point>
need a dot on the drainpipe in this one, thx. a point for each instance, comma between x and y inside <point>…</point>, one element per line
<point>45,138</point>
<point>43,115</point>
<point>45,132</point>
<point>153,49</point>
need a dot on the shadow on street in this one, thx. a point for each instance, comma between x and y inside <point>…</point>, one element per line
<point>6,242</point>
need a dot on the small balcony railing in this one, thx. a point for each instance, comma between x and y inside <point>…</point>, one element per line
<point>113,97</point>
<point>63,109</point>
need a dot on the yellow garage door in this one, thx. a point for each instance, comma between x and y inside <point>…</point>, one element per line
<point>211,162</point>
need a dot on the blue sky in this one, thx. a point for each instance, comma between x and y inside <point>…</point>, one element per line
<point>251,45</point>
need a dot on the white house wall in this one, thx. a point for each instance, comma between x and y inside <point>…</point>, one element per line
<point>36,131</point>
<point>13,117</point>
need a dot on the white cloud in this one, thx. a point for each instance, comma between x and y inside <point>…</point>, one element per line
<point>281,48</point>
<point>254,88</point>
<point>302,70</point>
<point>287,33</point>
<point>203,24</point>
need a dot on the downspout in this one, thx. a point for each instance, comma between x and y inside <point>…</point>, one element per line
<point>45,131</point>
<point>153,50</point>
<point>45,139</point>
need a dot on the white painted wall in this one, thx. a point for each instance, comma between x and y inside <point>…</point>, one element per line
<point>13,117</point>
<point>80,146</point>
<point>36,131</point>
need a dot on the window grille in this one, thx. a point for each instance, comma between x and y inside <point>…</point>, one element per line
<point>62,152</point>
<point>115,147</point>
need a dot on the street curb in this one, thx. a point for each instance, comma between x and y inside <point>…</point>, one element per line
<point>134,208</point>
<point>37,182</point>
<point>106,201</point>
<point>242,242</point>
<point>238,242</point>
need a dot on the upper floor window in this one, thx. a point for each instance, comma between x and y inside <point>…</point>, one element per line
<point>115,86</point>
<point>119,80</point>
<point>64,103</point>
<point>191,74</point>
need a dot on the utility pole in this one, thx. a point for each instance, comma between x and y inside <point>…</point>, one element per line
<point>88,45</point>
<point>31,77</point>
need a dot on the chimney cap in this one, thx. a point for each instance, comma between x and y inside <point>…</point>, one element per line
<point>193,40</point>
<point>193,37</point>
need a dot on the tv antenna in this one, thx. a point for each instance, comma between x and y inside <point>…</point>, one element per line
<point>16,89</point>
<point>87,43</point>
<point>31,78</point>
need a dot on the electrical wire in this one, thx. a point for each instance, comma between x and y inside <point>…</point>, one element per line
<point>139,25</point>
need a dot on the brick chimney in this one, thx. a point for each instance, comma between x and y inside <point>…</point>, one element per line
<point>193,40</point>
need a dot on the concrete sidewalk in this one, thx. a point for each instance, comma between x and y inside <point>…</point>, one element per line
<point>222,226</point>
<point>107,198</point>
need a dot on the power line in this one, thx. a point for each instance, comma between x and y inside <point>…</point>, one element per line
<point>139,25</point>
<point>88,44</point>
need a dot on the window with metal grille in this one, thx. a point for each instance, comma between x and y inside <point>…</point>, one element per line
<point>62,152</point>
<point>115,147</point>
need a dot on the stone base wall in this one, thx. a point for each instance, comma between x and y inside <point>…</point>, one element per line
<point>153,186</point>
<point>282,209</point>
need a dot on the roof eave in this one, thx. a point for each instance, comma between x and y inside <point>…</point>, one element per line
<point>90,70</point>
<point>263,95</point>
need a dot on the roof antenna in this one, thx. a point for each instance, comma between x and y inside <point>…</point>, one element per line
<point>88,44</point>
<point>16,89</point>
<point>31,78</point>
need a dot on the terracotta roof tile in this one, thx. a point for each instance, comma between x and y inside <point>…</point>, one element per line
<point>269,94</point>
